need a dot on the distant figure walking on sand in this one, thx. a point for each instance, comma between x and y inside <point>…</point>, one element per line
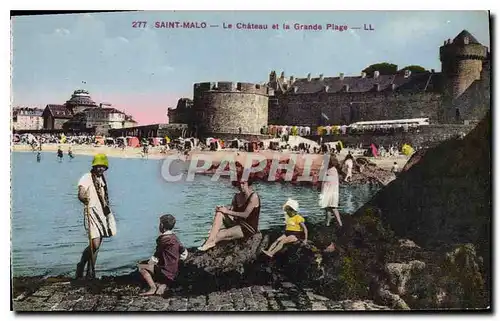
<point>240,220</point>
<point>349,163</point>
<point>38,157</point>
<point>98,220</point>
<point>70,153</point>
<point>144,151</point>
<point>59,154</point>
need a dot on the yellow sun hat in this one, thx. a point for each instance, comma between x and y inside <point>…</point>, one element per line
<point>100,160</point>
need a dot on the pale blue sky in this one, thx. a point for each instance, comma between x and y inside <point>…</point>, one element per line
<point>144,71</point>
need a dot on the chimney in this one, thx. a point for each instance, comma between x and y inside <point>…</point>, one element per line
<point>363,74</point>
<point>282,76</point>
<point>326,88</point>
<point>346,88</point>
<point>376,73</point>
<point>407,73</point>
<point>393,87</point>
<point>309,77</point>
<point>341,76</point>
<point>320,76</point>
<point>295,89</point>
<point>466,40</point>
<point>292,79</point>
<point>376,87</point>
<point>444,43</point>
<point>449,40</point>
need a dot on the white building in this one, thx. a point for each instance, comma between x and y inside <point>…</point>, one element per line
<point>25,118</point>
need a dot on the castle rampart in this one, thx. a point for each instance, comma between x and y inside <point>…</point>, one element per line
<point>229,107</point>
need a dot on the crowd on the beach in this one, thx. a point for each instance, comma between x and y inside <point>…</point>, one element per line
<point>240,220</point>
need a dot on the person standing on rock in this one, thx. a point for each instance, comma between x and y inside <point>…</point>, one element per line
<point>240,220</point>
<point>349,163</point>
<point>329,197</point>
<point>99,221</point>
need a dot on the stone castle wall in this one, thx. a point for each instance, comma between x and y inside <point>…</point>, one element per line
<point>346,108</point>
<point>426,137</point>
<point>225,107</point>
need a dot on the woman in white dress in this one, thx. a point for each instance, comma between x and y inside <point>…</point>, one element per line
<point>329,197</point>
<point>99,221</point>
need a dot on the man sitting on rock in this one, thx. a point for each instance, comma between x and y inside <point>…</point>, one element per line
<point>240,220</point>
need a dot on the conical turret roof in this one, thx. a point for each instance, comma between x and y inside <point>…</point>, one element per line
<point>460,38</point>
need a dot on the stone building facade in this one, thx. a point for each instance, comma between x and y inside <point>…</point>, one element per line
<point>81,113</point>
<point>25,118</point>
<point>459,93</point>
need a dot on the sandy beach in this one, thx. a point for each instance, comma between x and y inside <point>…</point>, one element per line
<point>154,153</point>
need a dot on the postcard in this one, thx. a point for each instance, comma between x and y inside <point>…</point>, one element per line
<point>251,161</point>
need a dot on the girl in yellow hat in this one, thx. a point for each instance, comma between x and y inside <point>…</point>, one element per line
<point>295,229</point>
<point>99,221</point>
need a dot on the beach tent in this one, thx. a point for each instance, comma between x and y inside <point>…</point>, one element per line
<point>308,130</point>
<point>110,141</point>
<point>155,141</point>
<point>63,139</point>
<point>328,130</point>
<point>99,140</point>
<point>294,130</point>
<point>121,141</point>
<point>407,149</point>
<point>374,150</point>
<point>215,145</point>
<point>167,140</point>
<point>133,142</point>
<point>302,131</point>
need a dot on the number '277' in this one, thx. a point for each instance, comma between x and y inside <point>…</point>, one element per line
<point>138,24</point>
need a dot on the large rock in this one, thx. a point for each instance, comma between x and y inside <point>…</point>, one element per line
<point>443,204</point>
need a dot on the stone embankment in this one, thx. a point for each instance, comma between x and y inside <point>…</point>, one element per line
<point>64,295</point>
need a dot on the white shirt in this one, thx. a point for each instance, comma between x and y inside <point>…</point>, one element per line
<point>87,183</point>
<point>349,163</point>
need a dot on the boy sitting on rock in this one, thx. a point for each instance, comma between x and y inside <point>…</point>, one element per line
<point>164,264</point>
<point>295,229</point>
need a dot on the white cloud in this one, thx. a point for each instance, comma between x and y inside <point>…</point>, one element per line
<point>123,39</point>
<point>62,31</point>
<point>167,68</point>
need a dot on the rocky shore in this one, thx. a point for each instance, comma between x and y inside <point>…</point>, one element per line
<point>107,295</point>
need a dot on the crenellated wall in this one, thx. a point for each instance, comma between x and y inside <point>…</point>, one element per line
<point>346,108</point>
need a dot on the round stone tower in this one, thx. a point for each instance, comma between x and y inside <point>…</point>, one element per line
<point>461,63</point>
<point>229,108</point>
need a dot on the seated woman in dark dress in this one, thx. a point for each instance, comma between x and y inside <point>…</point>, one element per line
<point>240,220</point>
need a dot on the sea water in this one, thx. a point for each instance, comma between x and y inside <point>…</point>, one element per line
<point>47,219</point>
